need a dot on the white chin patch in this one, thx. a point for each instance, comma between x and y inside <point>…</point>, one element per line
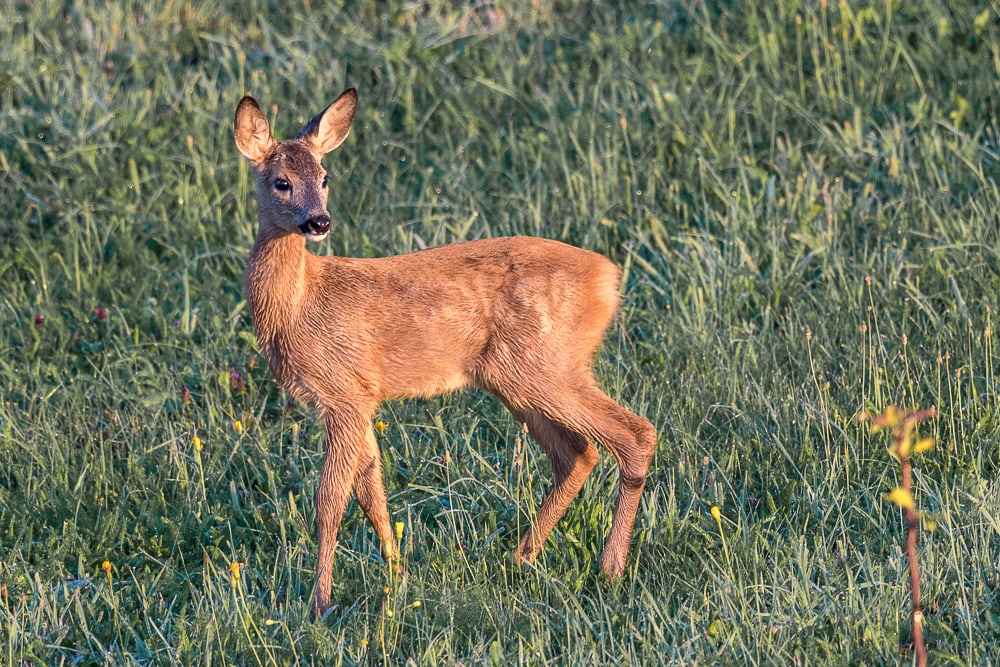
<point>316,237</point>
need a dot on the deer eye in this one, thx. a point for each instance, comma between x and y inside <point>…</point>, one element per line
<point>282,185</point>
<point>326,182</point>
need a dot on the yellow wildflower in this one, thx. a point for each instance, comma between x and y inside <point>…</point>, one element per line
<point>238,426</point>
<point>890,419</point>
<point>893,416</point>
<point>902,447</point>
<point>900,496</point>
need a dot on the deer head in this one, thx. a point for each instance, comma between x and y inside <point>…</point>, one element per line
<point>292,186</point>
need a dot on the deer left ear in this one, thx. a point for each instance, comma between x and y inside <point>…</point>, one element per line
<point>252,132</point>
<point>328,130</point>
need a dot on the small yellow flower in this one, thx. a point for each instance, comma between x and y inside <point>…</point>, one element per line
<point>196,441</point>
<point>900,496</point>
<point>380,426</point>
<point>716,514</point>
<point>399,531</point>
<point>922,445</point>
<point>106,568</point>
<point>234,569</point>
<point>238,426</point>
<point>902,448</point>
<point>892,418</point>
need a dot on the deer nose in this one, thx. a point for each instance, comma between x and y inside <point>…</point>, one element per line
<point>318,224</point>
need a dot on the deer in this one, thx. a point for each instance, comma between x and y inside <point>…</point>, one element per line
<point>521,317</point>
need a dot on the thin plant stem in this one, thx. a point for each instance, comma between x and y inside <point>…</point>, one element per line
<point>912,524</point>
<point>905,443</point>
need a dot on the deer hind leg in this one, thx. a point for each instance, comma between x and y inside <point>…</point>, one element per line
<point>345,436</point>
<point>369,489</point>
<point>630,439</point>
<point>572,457</point>
<point>634,456</point>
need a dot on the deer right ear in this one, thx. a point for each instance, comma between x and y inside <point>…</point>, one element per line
<point>252,133</point>
<point>329,129</point>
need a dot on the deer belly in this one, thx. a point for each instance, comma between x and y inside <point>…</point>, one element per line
<point>423,367</point>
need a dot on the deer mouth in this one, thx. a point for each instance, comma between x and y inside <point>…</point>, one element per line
<point>316,228</point>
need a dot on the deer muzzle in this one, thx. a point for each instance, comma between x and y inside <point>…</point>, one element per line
<point>316,228</point>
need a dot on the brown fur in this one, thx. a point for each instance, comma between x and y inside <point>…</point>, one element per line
<point>520,317</point>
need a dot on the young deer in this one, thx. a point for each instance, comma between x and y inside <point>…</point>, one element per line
<point>520,317</point>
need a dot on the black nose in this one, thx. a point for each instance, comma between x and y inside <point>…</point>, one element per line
<point>318,224</point>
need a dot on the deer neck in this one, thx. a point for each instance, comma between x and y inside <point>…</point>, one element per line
<point>275,285</point>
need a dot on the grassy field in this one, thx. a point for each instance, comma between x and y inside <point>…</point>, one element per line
<point>804,198</point>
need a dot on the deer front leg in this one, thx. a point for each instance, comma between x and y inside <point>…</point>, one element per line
<point>369,489</point>
<point>344,441</point>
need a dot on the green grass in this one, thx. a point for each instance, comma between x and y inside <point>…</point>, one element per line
<point>803,196</point>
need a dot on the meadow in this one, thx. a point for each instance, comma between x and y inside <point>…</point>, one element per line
<point>803,197</point>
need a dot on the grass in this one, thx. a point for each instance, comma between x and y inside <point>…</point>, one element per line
<point>803,197</point>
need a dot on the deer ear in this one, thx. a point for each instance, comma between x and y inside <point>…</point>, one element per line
<point>329,129</point>
<point>252,133</point>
